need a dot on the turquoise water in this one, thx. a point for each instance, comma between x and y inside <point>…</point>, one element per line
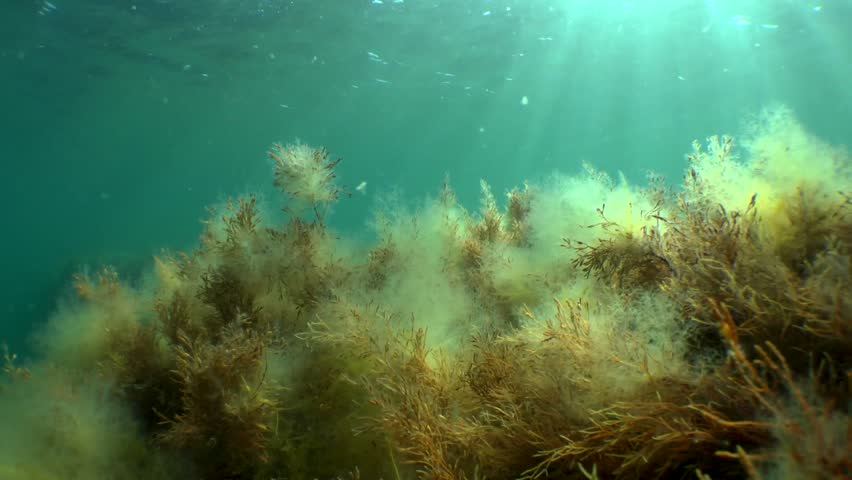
<point>123,120</point>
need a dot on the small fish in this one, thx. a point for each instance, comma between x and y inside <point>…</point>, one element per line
<point>362,187</point>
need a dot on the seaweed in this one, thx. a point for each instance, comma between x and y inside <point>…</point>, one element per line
<point>227,404</point>
<point>704,332</point>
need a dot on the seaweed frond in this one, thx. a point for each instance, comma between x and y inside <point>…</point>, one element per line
<point>518,230</point>
<point>226,382</point>
<point>621,258</point>
<point>306,174</point>
<point>11,370</point>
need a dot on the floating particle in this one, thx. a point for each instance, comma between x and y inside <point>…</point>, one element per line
<point>525,100</point>
<point>740,20</point>
<point>46,8</point>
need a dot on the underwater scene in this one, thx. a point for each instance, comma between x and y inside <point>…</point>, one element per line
<point>426,239</point>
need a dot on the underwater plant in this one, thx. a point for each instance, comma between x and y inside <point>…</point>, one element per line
<point>306,174</point>
<point>702,332</point>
